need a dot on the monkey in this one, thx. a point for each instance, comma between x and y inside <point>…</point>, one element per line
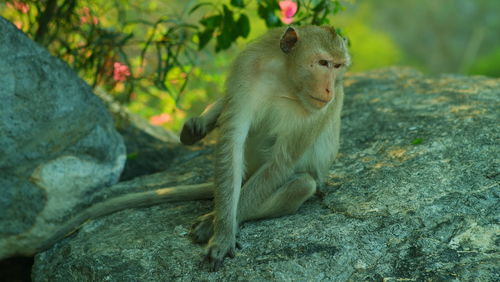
<point>279,132</point>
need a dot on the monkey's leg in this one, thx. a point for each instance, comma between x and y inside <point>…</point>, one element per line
<point>286,200</point>
<point>196,128</point>
<point>203,228</point>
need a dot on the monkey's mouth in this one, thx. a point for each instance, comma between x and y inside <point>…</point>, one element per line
<point>319,101</point>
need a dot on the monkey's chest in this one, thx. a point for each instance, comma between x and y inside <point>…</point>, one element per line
<point>261,144</point>
<point>312,147</point>
<point>258,150</point>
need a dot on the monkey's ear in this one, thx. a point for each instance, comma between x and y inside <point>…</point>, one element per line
<point>330,29</point>
<point>288,39</point>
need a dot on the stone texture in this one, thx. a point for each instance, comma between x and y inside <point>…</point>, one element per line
<point>58,144</point>
<point>414,196</point>
<point>150,149</point>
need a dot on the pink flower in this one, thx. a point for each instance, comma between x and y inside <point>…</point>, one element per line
<point>288,10</point>
<point>160,119</point>
<point>19,5</point>
<point>120,71</point>
<point>86,17</point>
<point>19,25</point>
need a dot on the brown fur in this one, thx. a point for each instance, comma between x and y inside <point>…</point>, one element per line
<point>279,130</point>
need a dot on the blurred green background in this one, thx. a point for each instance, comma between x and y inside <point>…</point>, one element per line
<point>445,36</point>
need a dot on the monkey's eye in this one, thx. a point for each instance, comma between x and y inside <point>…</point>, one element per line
<point>337,66</point>
<point>324,63</point>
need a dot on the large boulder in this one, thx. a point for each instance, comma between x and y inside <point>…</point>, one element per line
<point>413,196</point>
<point>58,144</point>
<point>150,148</point>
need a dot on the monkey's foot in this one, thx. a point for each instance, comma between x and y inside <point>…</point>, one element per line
<point>193,131</point>
<point>203,228</point>
<point>218,249</point>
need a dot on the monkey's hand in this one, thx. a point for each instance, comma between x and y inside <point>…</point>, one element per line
<point>220,247</point>
<point>203,228</point>
<point>193,130</point>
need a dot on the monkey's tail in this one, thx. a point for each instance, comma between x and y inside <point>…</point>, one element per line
<point>133,200</point>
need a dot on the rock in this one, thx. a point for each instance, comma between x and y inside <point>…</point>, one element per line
<point>150,149</point>
<point>58,144</point>
<point>413,196</point>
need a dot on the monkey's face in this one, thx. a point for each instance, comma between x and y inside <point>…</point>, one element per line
<point>321,72</point>
<point>316,63</point>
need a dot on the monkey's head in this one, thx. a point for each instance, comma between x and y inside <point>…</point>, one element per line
<point>316,58</point>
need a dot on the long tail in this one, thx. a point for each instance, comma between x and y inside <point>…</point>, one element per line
<point>133,200</point>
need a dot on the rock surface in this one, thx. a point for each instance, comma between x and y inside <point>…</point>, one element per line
<point>58,144</point>
<point>413,196</point>
<point>150,149</point>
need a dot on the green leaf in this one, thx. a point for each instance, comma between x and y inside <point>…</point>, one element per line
<point>337,7</point>
<point>320,6</point>
<point>274,5</point>
<point>229,31</point>
<point>211,22</point>
<point>243,25</point>
<point>267,14</point>
<point>196,7</point>
<point>132,156</point>
<point>417,141</point>
<point>262,11</point>
<point>204,37</point>
<point>228,15</point>
<point>223,42</point>
<point>238,3</point>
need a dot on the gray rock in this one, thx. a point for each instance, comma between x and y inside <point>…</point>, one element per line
<point>413,196</point>
<point>150,149</point>
<point>58,144</point>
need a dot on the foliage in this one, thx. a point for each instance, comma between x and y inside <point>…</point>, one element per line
<point>148,60</point>
<point>158,56</point>
<point>439,36</point>
<point>488,64</point>
<point>376,50</point>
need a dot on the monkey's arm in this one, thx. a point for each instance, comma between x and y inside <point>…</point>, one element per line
<point>133,200</point>
<point>229,167</point>
<point>264,182</point>
<point>196,128</point>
